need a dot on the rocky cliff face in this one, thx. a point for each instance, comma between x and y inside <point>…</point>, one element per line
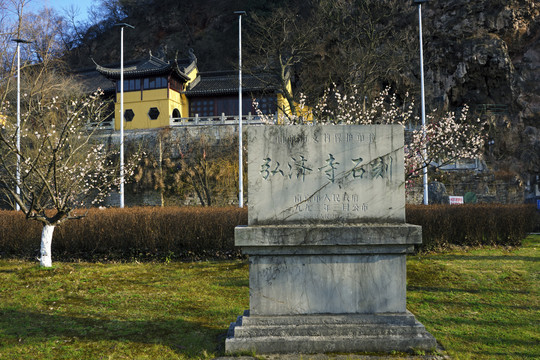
<point>484,53</point>
<point>487,54</point>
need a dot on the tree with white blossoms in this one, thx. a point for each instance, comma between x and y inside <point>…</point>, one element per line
<point>63,168</point>
<point>448,137</point>
<point>60,167</point>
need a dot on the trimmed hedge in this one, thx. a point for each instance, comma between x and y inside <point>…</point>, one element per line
<point>192,233</point>
<point>472,225</point>
<point>142,233</point>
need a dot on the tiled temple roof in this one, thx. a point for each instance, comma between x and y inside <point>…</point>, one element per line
<point>152,66</point>
<point>226,82</point>
<point>92,80</point>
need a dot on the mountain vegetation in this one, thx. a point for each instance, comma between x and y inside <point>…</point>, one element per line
<point>483,54</point>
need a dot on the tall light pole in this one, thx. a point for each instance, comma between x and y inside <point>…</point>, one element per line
<point>423,102</point>
<point>122,26</point>
<point>240,171</point>
<point>18,171</point>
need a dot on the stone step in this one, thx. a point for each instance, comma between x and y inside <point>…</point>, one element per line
<point>338,330</point>
<point>320,344</point>
<point>328,333</point>
<point>405,318</point>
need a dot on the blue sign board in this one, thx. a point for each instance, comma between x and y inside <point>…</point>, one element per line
<point>538,204</point>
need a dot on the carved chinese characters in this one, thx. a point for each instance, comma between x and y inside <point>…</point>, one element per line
<point>311,174</point>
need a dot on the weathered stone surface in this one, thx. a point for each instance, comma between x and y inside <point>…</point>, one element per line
<point>327,241</point>
<point>327,284</point>
<point>305,269</point>
<point>437,193</point>
<point>325,174</point>
<point>328,333</point>
<point>328,235</point>
<point>330,269</point>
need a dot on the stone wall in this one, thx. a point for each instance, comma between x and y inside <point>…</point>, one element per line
<point>175,143</point>
<point>489,187</point>
<point>147,139</point>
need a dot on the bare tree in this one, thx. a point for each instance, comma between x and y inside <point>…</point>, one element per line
<point>188,165</point>
<point>207,167</point>
<point>11,27</point>
<point>110,11</point>
<point>360,44</point>
<point>276,44</point>
<point>363,44</point>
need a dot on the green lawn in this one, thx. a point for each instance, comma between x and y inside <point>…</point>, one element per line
<point>481,304</point>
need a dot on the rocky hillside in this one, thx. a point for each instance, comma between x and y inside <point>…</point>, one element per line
<point>487,54</point>
<point>484,53</point>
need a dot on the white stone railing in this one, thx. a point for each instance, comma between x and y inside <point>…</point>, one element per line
<point>222,119</point>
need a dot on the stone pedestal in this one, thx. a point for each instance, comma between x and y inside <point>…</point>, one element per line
<point>328,333</point>
<point>327,289</point>
<point>327,242</point>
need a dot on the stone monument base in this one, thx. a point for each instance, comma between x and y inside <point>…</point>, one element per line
<point>327,288</point>
<point>305,334</point>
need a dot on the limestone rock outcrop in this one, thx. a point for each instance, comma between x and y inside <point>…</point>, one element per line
<point>487,54</point>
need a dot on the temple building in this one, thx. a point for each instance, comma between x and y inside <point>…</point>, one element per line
<point>157,91</point>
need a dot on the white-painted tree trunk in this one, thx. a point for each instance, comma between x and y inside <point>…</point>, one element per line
<point>46,240</point>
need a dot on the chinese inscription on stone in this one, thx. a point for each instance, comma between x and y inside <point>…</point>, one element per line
<point>311,174</point>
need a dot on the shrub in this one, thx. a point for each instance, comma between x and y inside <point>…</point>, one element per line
<point>142,233</point>
<point>18,236</point>
<point>192,233</point>
<point>471,224</point>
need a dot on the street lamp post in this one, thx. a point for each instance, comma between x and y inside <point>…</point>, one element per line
<point>423,102</point>
<point>122,26</point>
<point>240,171</point>
<point>18,171</point>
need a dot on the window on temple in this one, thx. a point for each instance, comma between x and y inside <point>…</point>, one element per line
<point>267,104</point>
<point>153,113</point>
<point>159,82</point>
<point>162,82</point>
<point>155,82</point>
<point>202,107</point>
<point>130,85</point>
<point>129,115</point>
<point>227,105</point>
<point>176,85</point>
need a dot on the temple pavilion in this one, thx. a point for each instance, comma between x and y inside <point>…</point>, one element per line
<point>158,90</point>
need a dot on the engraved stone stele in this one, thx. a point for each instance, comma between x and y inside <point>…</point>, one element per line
<point>327,242</point>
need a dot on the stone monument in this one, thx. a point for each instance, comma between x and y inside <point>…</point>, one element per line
<point>327,242</point>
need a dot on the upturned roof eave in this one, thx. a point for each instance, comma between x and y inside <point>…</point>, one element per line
<point>131,72</point>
